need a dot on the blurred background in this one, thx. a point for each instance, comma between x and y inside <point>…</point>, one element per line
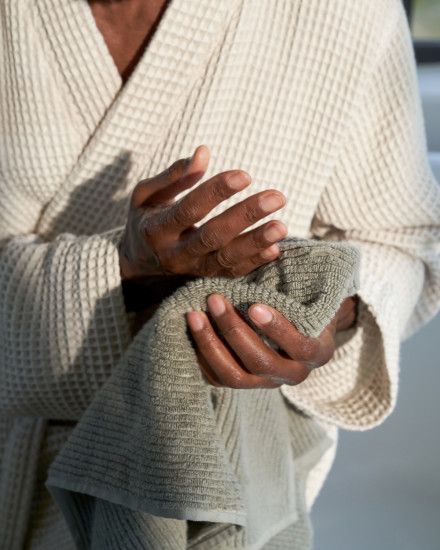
<point>426,19</point>
<point>383,492</point>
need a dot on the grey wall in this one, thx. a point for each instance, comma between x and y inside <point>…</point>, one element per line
<point>384,490</point>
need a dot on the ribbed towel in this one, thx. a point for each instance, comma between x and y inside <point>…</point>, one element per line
<point>158,440</point>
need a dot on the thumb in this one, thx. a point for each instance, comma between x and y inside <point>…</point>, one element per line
<point>162,189</point>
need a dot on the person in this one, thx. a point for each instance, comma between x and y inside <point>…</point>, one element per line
<point>314,124</point>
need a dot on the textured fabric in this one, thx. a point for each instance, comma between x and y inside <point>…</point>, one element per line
<point>317,99</point>
<point>157,440</point>
<point>48,528</point>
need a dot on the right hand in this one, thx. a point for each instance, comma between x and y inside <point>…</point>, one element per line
<point>161,236</point>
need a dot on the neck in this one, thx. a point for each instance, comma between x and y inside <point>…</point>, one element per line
<point>127,26</point>
<point>128,8</point>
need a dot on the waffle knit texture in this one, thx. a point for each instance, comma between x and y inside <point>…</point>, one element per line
<point>317,99</point>
<point>157,440</point>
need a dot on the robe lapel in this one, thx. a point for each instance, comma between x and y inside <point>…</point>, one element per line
<point>81,58</point>
<point>140,114</point>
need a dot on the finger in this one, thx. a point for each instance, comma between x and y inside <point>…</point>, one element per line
<point>313,352</point>
<point>222,229</point>
<point>249,250</point>
<point>161,190</point>
<point>347,313</point>
<point>255,355</point>
<point>207,371</point>
<point>200,201</point>
<point>244,267</point>
<point>216,361</point>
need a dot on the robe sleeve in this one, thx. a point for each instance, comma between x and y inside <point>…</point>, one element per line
<point>63,324</point>
<point>382,198</point>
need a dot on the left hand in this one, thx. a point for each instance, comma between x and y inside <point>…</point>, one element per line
<point>246,361</point>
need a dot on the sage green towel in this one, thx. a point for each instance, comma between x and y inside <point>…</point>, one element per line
<point>159,441</point>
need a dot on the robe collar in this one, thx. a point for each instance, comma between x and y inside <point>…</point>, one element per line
<point>128,123</point>
<point>135,117</point>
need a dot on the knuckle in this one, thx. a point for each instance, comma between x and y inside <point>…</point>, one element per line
<point>263,365</point>
<point>175,171</point>
<point>182,214</point>
<point>219,190</point>
<point>214,191</point>
<point>310,349</point>
<point>251,214</point>
<point>232,331</point>
<point>224,260</point>
<point>213,268</point>
<point>208,238</point>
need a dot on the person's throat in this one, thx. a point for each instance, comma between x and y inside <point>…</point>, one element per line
<point>127,26</point>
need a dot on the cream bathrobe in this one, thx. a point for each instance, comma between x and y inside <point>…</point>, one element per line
<point>317,99</point>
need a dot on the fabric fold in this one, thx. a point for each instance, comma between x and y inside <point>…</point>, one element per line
<point>158,440</point>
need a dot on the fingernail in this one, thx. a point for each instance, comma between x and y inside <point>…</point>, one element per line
<point>270,253</point>
<point>275,232</point>
<point>273,202</point>
<point>238,181</point>
<point>216,305</point>
<point>195,320</point>
<point>261,314</point>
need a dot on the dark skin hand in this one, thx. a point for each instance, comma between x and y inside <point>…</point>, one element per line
<point>246,361</point>
<point>162,240</point>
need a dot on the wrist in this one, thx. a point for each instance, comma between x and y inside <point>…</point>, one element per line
<point>145,266</point>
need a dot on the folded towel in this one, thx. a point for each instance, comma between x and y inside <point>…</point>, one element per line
<point>159,445</point>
